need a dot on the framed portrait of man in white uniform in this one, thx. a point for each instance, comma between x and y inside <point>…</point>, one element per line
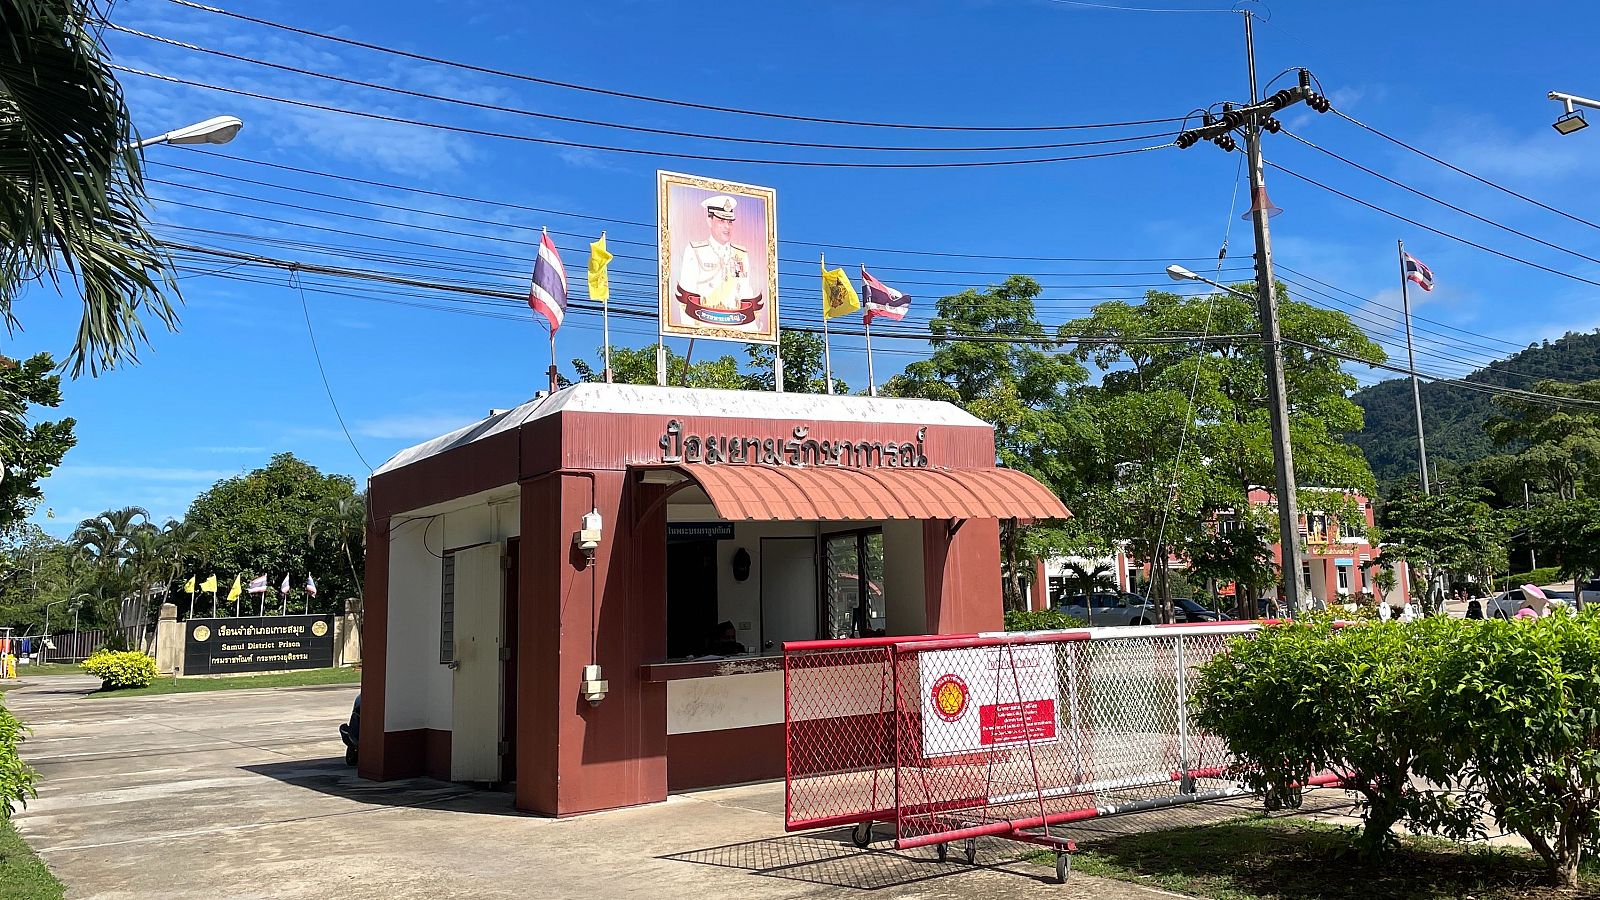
<point>718,250</point>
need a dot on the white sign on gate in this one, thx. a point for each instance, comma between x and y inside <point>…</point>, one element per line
<point>982,698</point>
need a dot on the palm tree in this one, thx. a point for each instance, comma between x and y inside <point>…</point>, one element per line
<point>105,543</point>
<point>348,526</point>
<point>1091,575</point>
<point>71,195</point>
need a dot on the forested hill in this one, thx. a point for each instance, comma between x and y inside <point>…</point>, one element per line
<point>1454,415</point>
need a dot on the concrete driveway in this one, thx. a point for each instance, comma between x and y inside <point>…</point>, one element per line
<point>244,794</point>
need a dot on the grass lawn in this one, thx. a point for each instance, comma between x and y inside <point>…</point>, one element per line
<point>1280,858</point>
<point>22,875</point>
<point>49,669</point>
<point>169,685</point>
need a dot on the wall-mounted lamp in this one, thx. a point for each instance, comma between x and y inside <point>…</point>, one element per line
<point>741,564</point>
<point>594,687</point>
<point>589,536</point>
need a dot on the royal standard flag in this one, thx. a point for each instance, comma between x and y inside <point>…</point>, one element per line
<point>235,591</point>
<point>599,281</point>
<point>838,294</point>
<point>189,585</point>
<point>210,584</point>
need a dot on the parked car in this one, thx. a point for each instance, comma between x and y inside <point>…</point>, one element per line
<point>350,733</point>
<point>1109,608</point>
<point>1186,610</point>
<point>1505,604</point>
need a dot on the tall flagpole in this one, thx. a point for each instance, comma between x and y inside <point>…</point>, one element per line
<point>605,322</point>
<point>866,323</point>
<point>1411,356</point>
<point>827,349</point>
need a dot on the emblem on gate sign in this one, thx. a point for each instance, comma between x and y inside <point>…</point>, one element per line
<point>319,628</point>
<point>202,633</point>
<point>949,697</point>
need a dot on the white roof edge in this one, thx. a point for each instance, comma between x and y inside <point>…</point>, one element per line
<point>694,402</point>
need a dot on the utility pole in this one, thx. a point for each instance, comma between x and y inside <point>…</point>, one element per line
<point>1411,356</point>
<point>1251,121</point>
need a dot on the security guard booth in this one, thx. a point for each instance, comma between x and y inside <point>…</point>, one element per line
<point>586,596</point>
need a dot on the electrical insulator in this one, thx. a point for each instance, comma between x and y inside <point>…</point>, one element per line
<point>1272,126</point>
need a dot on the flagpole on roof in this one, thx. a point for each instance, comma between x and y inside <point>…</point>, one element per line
<point>866,323</point>
<point>827,350</point>
<point>1411,357</point>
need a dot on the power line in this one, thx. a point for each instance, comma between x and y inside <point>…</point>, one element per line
<point>632,151</point>
<point>1355,296</point>
<point>598,123</point>
<point>1446,204</point>
<point>305,308</point>
<point>1455,168</point>
<point>686,104</point>
<point>478,221</point>
<point>615,221</point>
<point>1429,228</point>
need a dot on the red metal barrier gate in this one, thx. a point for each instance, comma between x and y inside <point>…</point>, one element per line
<point>956,737</point>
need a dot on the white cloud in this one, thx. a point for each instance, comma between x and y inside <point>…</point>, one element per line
<point>410,426</point>
<point>144,473</point>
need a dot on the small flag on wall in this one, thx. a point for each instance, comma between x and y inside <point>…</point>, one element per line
<point>311,586</point>
<point>258,584</point>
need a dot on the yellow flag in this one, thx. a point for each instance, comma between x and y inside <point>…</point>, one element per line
<point>189,585</point>
<point>838,294</point>
<point>235,591</point>
<point>599,281</point>
<point>210,584</point>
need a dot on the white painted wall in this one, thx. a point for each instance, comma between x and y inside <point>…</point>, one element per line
<point>904,578</point>
<point>418,688</point>
<point>740,601</point>
<point>724,701</point>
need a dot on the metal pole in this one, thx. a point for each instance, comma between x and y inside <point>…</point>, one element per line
<point>1267,304</point>
<point>827,349</point>
<point>1527,503</point>
<point>605,326</point>
<point>1411,357</point>
<point>872,379</point>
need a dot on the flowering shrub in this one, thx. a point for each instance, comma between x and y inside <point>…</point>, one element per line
<point>16,779</point>
<point>124,669</point>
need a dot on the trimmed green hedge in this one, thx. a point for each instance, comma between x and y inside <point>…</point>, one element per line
<point>1041,620</point>
<point>1545,575</point>
<point>16,779</point>
<point>1504,714</point>
<point>121,669</point>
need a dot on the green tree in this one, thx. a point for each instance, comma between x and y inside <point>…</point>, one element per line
<point>804,368</point>
<point>1451,530</point>
<point>105,545</point>
<point>1155,485</point>
<point>28,451</point>
<point>71,198</point>
<point>262,523</point>
<point>35,569</point>
<point>993,358</point>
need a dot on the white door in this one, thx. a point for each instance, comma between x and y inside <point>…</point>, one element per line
<point>475,720</point>
<point>788,590</point>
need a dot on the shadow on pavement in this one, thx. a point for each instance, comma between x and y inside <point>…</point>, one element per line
<point>331,776</point>
<point>828,858</point>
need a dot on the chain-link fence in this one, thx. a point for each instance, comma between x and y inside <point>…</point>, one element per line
<point>954,738</point>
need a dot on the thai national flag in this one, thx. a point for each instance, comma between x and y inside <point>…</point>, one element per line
<point>1418,273</point>
<point>311,586</point>
<point>882,300</point>
<point>548,293</point>
<point>258,585</point>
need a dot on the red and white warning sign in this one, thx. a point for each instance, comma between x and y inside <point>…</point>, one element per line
<point>982,698</point>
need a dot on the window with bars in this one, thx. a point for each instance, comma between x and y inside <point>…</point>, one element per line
<point>447,610</point>
<point>852,588</point>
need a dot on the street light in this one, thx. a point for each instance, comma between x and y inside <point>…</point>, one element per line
<point>44,642</point>
<point>1179,273</point>
<point>1572,120</point>
<point>217,130</point>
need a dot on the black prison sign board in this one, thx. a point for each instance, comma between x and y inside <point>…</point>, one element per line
<point>257,644</point>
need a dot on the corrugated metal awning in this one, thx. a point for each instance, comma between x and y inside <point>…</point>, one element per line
<point>810,493</point>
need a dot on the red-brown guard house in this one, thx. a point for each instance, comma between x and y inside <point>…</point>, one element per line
<point>675,538</point>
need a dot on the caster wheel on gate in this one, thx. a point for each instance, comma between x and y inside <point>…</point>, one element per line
<point>1063,867</point>
<point>861,834</point>
<point>944,852</point>
<point>972,850</point>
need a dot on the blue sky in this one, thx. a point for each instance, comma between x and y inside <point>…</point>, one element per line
<point>238,382</point>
